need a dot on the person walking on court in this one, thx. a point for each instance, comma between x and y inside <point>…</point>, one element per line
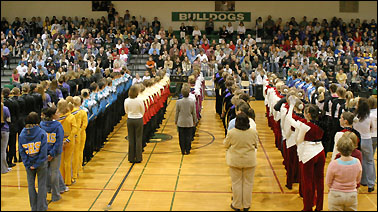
<point>134,108</point>
<point>33,149</point>
<point>185,119</point>
<point>241,144</point>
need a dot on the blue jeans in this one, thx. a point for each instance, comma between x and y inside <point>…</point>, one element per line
<point>266,66</point>
<point>374,139</point>
<point>38,200</point>
<point>368,173</point>
<point>251,88</point>
<point>4,145</point>
<point>53,178</point>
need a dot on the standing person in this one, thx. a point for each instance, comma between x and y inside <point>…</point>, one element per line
<point>373,114</point>
<point>343,175</point>
<point>185,119</point>
<point>311,155</point>
<point>5,119</point>
<point>55,134</point>
<point>346,122</point>
<point>33,149</point>
<point>363,124</point>
<point>13,126</point>
<point>241,158</point>
<point>70,130</point>
<point>82,122</point>
<point>134,107</point>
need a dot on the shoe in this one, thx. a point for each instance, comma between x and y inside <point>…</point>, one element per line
<point>235,209</point>
<point>370,189</point>
<point>187,153</point>
<point>363,184</point>
<point>66,189</point>
<point>5,66</point>
<point>57,199</point>
<point>289,187</point>
<point>245,209</point>
<point>11,165</point>
<point>138,161</point>
<point>73,182</point>
<point>10,169</point>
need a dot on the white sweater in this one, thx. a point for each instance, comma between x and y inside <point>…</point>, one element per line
<point>364,127</point>
<point>134,108</point>
<point>373,116</point>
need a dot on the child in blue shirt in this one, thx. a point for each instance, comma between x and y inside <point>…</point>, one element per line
<point>33,149</point>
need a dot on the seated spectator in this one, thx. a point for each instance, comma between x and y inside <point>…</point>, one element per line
<point>341,78</point>
<point>5,56</point>
<point>16,78</point>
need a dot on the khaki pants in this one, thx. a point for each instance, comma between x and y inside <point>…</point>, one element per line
<point>242,184</point>
<point>342,201</point>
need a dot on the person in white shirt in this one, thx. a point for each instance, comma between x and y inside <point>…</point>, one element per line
<point>373,115</point>
<point>22,69</point>
<point>220,57</point>
<point>202,56</point>
<point>228,69</point>
<point>196,31</point>
<point>146,76</point>
<point>241,30</point>
<point>92,64</point>
<point>137,79</point>
<point>363,124</point>
<point>134,108</point>
<point>230,28</point>
<point>242,106</point>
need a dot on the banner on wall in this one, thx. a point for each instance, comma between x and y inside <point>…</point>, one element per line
<point>217,16</point>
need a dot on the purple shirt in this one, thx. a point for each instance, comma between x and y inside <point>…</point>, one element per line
<point>5,126</point>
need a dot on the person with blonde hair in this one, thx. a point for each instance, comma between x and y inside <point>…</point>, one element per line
<point>68,122</point>
<point>350,103</point>
<point>82,123</point>
<point>342,177</point>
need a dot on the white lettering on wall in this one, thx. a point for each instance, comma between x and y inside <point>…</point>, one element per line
<point>183,17</point>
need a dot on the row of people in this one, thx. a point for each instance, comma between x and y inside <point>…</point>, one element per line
<point>232,105</point>
<point>53,149</point>
<point>299,133</point>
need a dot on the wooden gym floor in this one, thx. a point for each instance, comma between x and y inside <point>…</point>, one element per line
<point>166,180</point>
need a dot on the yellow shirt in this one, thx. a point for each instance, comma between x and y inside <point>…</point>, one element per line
<point>70,127</point>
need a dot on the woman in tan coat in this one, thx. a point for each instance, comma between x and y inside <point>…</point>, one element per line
<point>241,158</point>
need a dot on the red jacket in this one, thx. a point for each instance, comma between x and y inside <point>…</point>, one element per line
<point>125,49</point>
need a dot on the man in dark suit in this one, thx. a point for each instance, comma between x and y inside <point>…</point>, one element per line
<point>185,119</point>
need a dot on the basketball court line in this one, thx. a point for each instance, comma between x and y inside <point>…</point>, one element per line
<point>178,176</point>
<point>188,191</point>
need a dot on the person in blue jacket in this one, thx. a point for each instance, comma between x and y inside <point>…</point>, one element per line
<point>55,134</point>
<point>33,149</point>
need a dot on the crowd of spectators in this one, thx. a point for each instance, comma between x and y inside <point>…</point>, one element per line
<point>336,51</point>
